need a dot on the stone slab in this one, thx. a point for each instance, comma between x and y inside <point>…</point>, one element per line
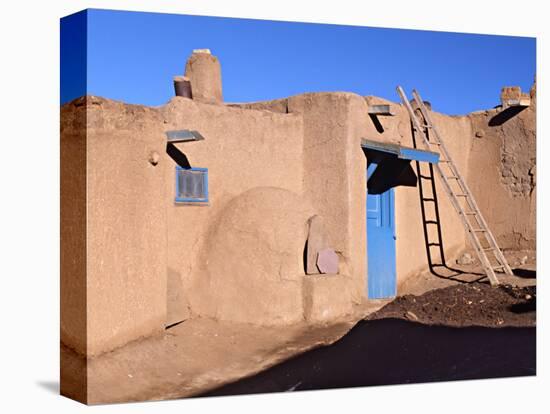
<point>316,241</point>
<point>327,261</point>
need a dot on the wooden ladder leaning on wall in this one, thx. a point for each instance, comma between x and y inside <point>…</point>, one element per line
<point>482,239</point>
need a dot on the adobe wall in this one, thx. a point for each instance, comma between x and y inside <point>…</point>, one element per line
<point>271,166</point>
<point>243,150</point>
<point>411,250</point>
<point>334,176</point>
<point>503,170</point>
<point>121,268</point>
<point>119,215</point>
<point>73,226</point>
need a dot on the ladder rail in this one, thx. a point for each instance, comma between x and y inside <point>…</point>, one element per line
<point>488,267</point>
<point>470,198</point>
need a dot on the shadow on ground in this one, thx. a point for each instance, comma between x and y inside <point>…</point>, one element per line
<point>393,351</point>
<point>444,271</point>
<point>51,386</point>
<point>525,273</point>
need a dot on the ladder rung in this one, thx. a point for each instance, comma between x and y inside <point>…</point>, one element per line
<point>431,222</point>
<point>461,195</point>
<point>426,177</point>
<point>428,199</point>
<point>434,244</point>
<point>488,249</point>
<point>470,213</point>
<point>434,143</point>
<point>479,230</point>
<point>498,267</point>
<point>452,177</point>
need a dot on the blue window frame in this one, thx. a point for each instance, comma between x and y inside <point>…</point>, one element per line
<point>191,185</point>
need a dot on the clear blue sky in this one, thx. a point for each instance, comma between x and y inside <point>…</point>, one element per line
<point>132,56</point>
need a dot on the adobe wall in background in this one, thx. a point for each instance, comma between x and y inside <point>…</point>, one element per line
<point>503,170</point>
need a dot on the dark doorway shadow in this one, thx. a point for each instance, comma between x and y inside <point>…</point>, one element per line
<point>525,273</point>
<point>51,386</point>
<point>505,115</point>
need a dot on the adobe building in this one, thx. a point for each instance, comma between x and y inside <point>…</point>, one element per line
<point>265,213</point>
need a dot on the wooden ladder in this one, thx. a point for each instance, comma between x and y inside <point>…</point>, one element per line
<point>481,237</point>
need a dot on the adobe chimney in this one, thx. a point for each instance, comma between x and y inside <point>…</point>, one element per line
<point>204,72</point>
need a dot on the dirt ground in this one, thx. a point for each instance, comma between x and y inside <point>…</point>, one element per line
<point>474,304</point>
<point>462,296</point>
<point>195,356</point>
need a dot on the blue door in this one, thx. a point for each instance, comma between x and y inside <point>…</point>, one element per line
<point>380,243</point>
